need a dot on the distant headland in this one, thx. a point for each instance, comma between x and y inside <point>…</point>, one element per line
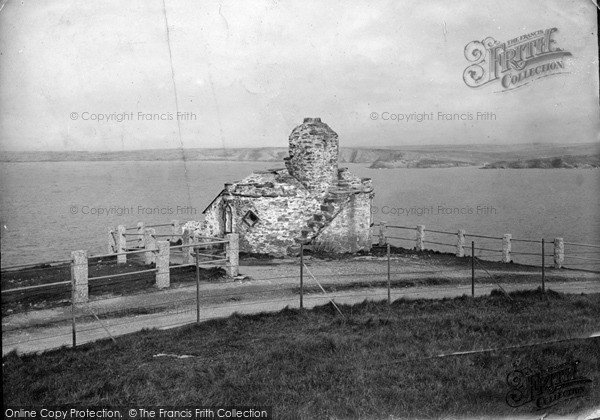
<point>564,162</point>
<point>531,155</point>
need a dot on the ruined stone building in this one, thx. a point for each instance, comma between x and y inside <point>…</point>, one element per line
<point>309,201</point>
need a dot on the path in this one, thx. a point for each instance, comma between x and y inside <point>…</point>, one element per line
<point>273,287</point>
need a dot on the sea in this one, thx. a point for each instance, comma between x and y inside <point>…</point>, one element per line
<point>48,209</point>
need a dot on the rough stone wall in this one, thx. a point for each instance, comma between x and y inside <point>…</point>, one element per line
<point>213,219</point>
<point>350,231</point>
<point>281,204</point>
<point>313,158</point>
<point>280,222</point>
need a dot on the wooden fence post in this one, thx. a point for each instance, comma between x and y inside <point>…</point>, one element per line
<point>382,233</point>
<point>472,268</point>
<point>543,266</point>
<point>197,238</point>
<point>79,277</point>
<point>506,247</point>
<point>460,243</point>
<point>420,237</point>
<point>389,277</point>
<point>163,278</point>
<point>559,252</point>
<point>232,251</point>
<point>197,254</point>
<point>149,245</point>
<point>121,245</point>
<point>301,276</point>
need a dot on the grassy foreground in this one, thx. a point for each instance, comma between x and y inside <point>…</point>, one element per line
<point>315,364</point>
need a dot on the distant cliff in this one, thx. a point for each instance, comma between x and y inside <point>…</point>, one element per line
<point>549,163</point>
<point>259,154</point>
<point>377,157</point>
<point>418,163</point>
<point>527,155</point>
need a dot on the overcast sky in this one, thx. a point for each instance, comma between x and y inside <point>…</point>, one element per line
<point>249,71</point>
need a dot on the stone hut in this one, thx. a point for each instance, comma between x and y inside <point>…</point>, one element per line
<point>309,201</point>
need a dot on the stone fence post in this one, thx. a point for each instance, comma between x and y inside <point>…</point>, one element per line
<point>175,230</point>
<point>79,277</point>
<point>559,252</point>
<point>149,245</point>
<point>506,246</point>
<point>121,245</point>
<point>111,246</point>
<point>140,238</point>
<point>163,278</point>
<point>420,237</point>
<point>460,243</point>
<point>185,240</point>
<point>382,233</point>
<point>232,252</point>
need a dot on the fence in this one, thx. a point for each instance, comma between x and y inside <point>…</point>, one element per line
<point>474,262</point>
<point>303,284</point>
<point>313,282</point>
<point>122,239</point>
<point>155,253</point>
<point>504,250</point>
<point>158,257</point>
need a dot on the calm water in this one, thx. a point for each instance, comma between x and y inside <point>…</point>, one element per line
<point>50,209</point>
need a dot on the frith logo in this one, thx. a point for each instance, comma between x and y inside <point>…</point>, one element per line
<point>516,62</point>
<point>546,388</point>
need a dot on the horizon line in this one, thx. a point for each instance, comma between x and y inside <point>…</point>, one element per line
<point>597,142</point>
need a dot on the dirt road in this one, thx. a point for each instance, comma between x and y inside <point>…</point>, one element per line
<point>271,287</point>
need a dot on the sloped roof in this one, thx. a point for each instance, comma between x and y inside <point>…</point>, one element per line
<point>213,200</point>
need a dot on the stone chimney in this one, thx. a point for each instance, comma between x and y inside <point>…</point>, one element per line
<point>313,158</point>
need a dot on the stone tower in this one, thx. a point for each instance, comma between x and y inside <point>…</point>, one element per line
<point>313,159</point>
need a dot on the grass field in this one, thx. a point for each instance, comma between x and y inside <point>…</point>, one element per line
<point>375,362</point>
